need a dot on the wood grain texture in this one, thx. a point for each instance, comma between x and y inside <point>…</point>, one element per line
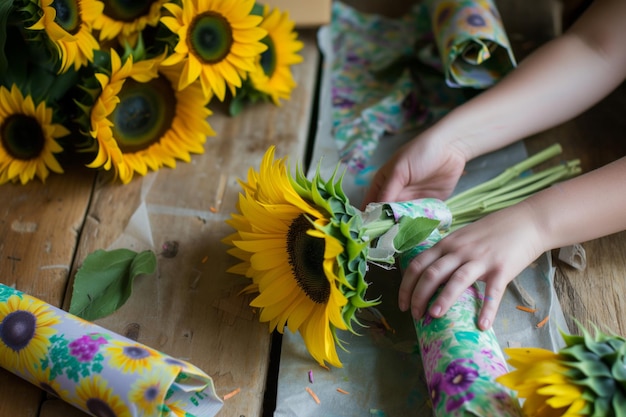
<point>596,294</point>
<point>191,307</point>
<point>39,227</point>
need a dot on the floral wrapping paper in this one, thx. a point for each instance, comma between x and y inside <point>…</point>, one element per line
<point>96,370</point>
<point>461,362</point>
<point>474,48</point>
<point>389,75</point>
<point>379,85</point>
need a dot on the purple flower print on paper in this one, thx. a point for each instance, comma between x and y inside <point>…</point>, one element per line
<point>431,354</point>
<point>86,347</point>
<point>456,403</point>
<point>434,388</point>
<point>458,378</point>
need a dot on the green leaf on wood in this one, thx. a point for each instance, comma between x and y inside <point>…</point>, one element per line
<point>105,281</point>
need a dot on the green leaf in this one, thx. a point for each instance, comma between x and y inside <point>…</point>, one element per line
<point>413,232</point>
<point>104,282</point>
<point>236,105</point>
<point>5,10</point>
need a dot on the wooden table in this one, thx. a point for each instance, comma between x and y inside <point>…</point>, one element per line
<point>191,308</point>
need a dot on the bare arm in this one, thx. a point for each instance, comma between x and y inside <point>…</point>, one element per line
<point>557,82</point>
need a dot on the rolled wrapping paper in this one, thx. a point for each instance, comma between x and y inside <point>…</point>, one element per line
<point>94,369</point>
<point>461,362</point>
<point>430,208</point>
<point>473,45</point>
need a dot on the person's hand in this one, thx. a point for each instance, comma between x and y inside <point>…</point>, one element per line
<point>494,249</point>
<point>424,167</point>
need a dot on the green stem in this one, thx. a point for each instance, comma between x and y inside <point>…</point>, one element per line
<point>509,174</point>
<point>377,228</point>
<point>508,188</point>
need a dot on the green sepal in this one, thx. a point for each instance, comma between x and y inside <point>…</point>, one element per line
<point>601,407</point>
<point>602,386</point>
<point>246,95</point>
<point>619,403</point>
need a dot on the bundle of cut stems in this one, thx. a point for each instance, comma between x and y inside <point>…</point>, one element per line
<point>515,184</point>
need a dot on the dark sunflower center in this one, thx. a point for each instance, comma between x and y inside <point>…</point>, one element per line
<point>268,57</point>
<point>127,10</point>
<point>17,329</point>
<point>306,257</point>
<point>68,15</point>
<point>22,137</point>
<point>210,37</point>
<point>100,408</point>
<point>151,393</point>
<point>144,114</point>
<point>135,352</point>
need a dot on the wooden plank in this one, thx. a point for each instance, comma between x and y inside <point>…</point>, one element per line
<point>191,308</point>
<point>39,227</point>
<point>594,295</point>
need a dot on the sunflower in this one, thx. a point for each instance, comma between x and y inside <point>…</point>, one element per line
<point>41,378</point>
<point>26,325</point>
<point>97,398</point>
<point>218,41</point>
<point>542,380</point>
<point>27,138</point>
<point>125,19</point>
<point>68,25</point>
<point>296,242</point>
<point>148,393</point>
<point>272,75</point>
<point>142,122</point>
<point>130,357</point>
<point>587,377</point>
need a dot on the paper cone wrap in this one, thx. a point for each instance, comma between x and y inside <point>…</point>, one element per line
<point>94,369</point>
<point>474,48</point>
<point>461,362</point>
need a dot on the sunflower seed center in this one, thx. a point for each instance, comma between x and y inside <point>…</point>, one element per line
<point>22,137</point>
<point>306,257</point>
<point>210,37</point>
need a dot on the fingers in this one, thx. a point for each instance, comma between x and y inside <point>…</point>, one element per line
<point>382,188</point>
<point>430,271</point>
<point>491,303</point>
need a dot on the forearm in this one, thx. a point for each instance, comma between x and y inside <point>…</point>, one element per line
<point>581,209</point>
<point>557,82</point>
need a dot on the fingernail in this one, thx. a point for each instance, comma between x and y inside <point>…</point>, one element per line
<point>435,311</point>
<point>484,324</point>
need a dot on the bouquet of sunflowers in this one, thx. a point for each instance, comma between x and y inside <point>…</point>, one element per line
<point>126,86</point>
<point>306,250</point>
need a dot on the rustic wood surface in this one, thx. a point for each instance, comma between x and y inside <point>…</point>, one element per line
<point>190,308</point>
<point>595,294</point>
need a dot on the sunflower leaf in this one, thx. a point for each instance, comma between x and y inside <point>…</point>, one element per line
<point>5,10</point>
<point>413,231</point>
<point>104,282</point>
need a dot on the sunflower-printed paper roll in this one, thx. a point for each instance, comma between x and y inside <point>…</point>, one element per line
<point>473,45</point>
<point>94,369</point>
